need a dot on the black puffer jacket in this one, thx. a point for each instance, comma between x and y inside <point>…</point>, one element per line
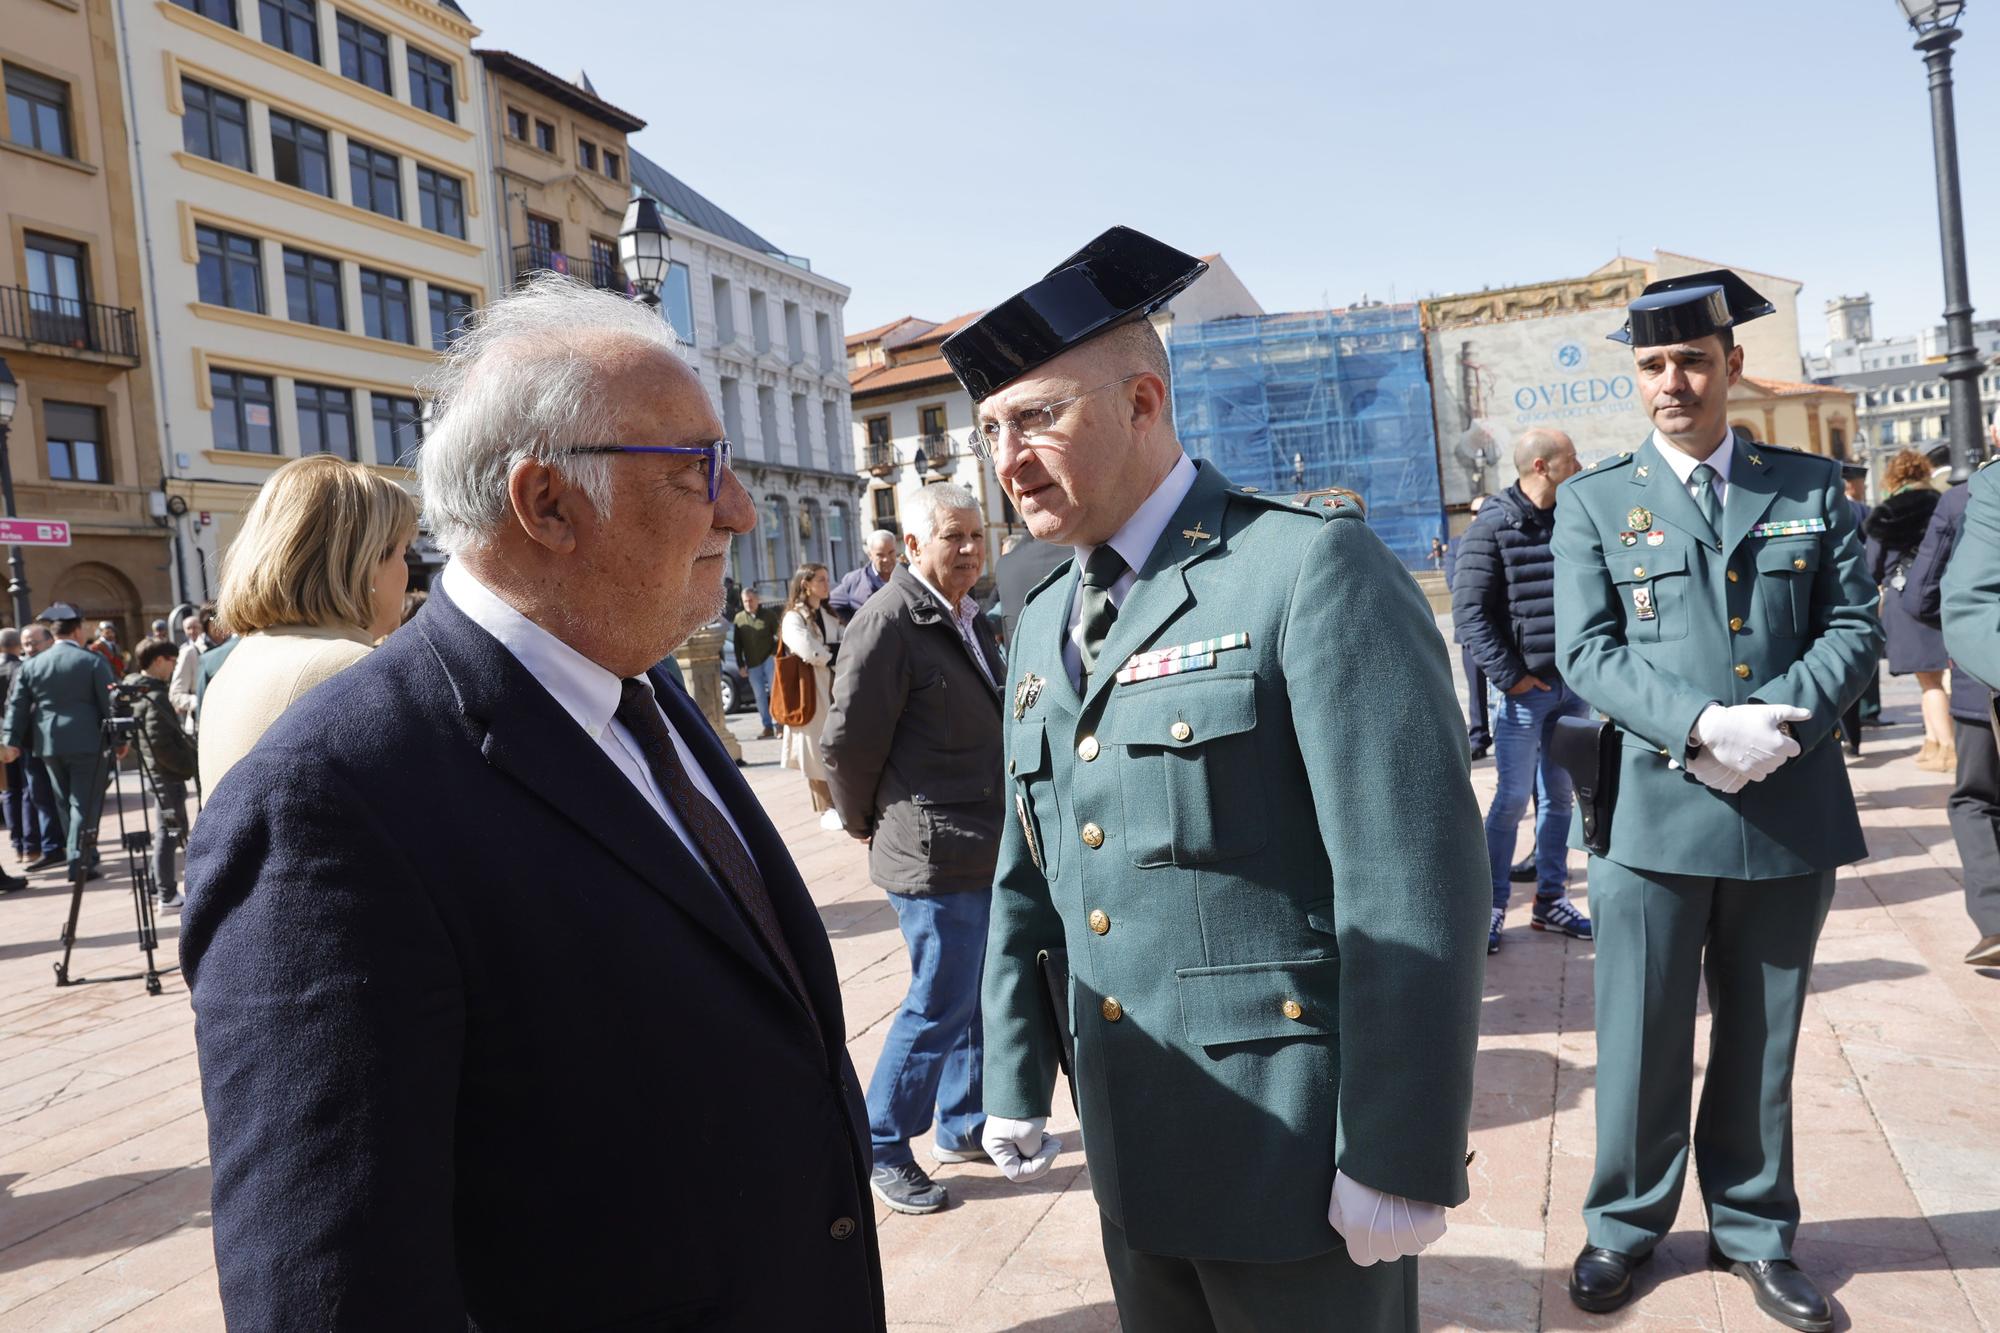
<point>1503,598</point>
<point>1895,532</point>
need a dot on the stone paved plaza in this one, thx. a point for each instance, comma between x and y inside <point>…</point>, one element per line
<point>104,1183</point>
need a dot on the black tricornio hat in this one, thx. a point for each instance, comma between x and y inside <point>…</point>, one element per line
<point>1121,275</point>
<point>1678,310</point>
<point>58,613</point>
<point>1853,471</point>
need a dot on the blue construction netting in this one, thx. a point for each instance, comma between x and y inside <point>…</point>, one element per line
<point>1322,398</point>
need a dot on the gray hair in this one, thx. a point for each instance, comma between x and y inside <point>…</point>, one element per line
<point>878,537</point>
<point>931,503</point>
<point>521,384</point>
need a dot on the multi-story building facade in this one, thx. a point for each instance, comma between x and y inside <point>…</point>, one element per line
<point>561,172</point>
<point>765,334</point>
<point>82,445</point>
<point>1853,349</point>
<point>315,208</point>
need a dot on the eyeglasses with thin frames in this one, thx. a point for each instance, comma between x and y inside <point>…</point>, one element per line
<point>715,451</point>
<point>1030,423</point>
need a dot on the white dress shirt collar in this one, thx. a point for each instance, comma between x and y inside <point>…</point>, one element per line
<point>1135,541</point>
<point>586,691</point>
<point>1685,464</point>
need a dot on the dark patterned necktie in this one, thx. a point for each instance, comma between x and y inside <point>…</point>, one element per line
<point>1096,612</point>
<point>710,829</point>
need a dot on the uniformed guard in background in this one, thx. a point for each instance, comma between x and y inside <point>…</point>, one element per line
<point>1238,799</point>
<point>1972,582</point>
<point>1711,600</point>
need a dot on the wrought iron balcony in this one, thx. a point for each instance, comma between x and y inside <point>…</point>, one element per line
<point>603,273</point>
<point>940,452</point>
<point>878,459</point>
<point>60,321</point>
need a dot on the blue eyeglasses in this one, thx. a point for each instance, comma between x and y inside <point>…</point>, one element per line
<point>715,451</point>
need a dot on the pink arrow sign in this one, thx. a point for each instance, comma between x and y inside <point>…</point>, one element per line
<point>34,532</point>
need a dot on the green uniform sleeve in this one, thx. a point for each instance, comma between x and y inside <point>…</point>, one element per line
<point>1020,1062</point>
<point>1379,728</point>
<point>1972,583</point>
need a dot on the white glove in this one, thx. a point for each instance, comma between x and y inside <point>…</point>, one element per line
<point>1381,1227</point>
<point>1019,1147</point>
<point>1745,737</point>
<point>1714,773</point>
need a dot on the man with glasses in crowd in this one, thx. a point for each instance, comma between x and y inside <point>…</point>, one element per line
<point>1208,708</point>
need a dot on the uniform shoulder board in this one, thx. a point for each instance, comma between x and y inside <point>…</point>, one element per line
<point>1332,502</point>
<point>1988,463</point>
<point>1788,449</point>
<point>1611,463</point>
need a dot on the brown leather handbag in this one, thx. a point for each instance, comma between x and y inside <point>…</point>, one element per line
<point>794,698</point>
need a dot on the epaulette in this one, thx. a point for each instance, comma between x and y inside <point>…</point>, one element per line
<point>1988,463</point>
<point>1333,502</point>
<point>1048,578</point>
<point>1603,465</point>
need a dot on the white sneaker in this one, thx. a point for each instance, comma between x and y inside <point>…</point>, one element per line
<point>830,821</point>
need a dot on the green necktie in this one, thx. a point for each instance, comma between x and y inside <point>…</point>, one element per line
<point>1097,613</point>
<point>1704,496</point>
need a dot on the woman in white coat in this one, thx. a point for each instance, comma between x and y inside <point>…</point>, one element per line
<point>804,636</point>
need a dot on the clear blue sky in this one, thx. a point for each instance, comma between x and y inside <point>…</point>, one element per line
<point>936,157</point>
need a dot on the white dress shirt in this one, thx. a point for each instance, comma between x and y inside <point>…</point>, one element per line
<point>587,692</point>
<point>1134,543</point>
<point>1684,465</point>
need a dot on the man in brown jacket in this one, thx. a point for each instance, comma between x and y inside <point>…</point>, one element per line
<point>912,748</point>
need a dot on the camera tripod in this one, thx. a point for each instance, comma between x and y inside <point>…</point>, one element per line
<point>118,733</point>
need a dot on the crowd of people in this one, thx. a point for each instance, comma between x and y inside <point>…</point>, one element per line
<point>473,870</point>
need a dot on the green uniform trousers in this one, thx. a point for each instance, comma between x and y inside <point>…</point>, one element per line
<point>1159,1293</point>
<point>1658,935</point>
<point>79,782</point>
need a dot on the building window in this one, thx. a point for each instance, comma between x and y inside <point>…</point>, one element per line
<point>605,270</point>
<point>732,408</point>
<point>823,331</point>
<point>801,428</point>
<point>767,419</point>
<point>441,200</point>
<point>38,112</point>
<point>376,178</point>
<point>795,343</point>
<point>326,420</point>
<point>222,11</point>
<point>760,322</point>
<point>229,270</point>
<point>725,309</point>
<point>544,243</point>
<point>58,291</point>
<point>836,535</point>
<point>449,312</point>
<point>930,424</point>
<point>1836,436</point>
<point>291,25</point>
<point>677,301</point>
<point>885,510</point>
<point>399,429</point>
<point>430,84</point>
<point>301,155</point>
<point>586,154</point>
<point>778,537</point>
<point>364,53</point>
<point>385,306</point>
<point>829,412</point>
<point>215,125</point>
<point>75,437</point>
<point>312,290</point>
<point>517,124</point>
<point>878,430</point>
<point>613,166</point>
<point>545,137</point>
<point>243,413</point>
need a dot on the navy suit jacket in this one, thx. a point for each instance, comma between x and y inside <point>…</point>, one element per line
<point>483,1045</point>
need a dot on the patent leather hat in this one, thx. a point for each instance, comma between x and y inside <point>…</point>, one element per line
<point>1678,310</point>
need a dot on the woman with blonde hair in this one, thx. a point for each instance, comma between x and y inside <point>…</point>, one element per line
<point>803,635</point>
<point>315,578</point>
<point>1895,529</point>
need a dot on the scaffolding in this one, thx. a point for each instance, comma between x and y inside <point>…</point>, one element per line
<point>1300,402</point>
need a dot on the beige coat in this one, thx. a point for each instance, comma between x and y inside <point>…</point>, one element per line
<point>266,674</point>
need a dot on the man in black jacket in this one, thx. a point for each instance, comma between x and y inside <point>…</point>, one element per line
<point>913,751</point>
<point>1503,610</point>
<point>169,756</point>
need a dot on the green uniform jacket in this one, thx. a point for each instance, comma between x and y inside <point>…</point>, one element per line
<point>60,702</point>
<point>1273,864</point>
<point>1777,608</point>
<point>1972,582</point>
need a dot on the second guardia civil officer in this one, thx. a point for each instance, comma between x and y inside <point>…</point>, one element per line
<point>1711,600</point>
<point>1275,944</point>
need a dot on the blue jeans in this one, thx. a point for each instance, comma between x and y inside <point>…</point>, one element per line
<point>761,677</point>
<point>48,811</point>
<point>932,1056</point>
<point>1522,727</point>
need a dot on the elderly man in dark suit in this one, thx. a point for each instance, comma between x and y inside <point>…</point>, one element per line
<point>512,1010</point>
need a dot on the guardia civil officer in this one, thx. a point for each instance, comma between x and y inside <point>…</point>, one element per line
<point>1711,600</point>
<point>1273,945</point>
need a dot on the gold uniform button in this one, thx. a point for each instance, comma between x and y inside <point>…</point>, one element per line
<point>1100,924</point>
<point>1180,731</point>
<point>1292,1009</point>
<point>1742,671</point>
<point>1798,564</point>
<point>1736,624</point>
<point>1732,576</point>
<point>1638,571</point>
<point>1086,749</point>
<point>1093,836</point>
<point>1111,1009</point>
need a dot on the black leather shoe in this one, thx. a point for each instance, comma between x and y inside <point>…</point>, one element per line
<point>1601,1280</point>
<point>1522,871</point>
<point>45,860</point>
<point>1782,1291</point>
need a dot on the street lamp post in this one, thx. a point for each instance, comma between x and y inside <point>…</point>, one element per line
<point>642,249</point>
<point>1935,22</point>
<point>17,578</point>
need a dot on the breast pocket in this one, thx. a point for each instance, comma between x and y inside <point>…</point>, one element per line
<point>1188,768</point>
<point>1652,585</point>
<point>1785,574</point>
<point>1033,797</point>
